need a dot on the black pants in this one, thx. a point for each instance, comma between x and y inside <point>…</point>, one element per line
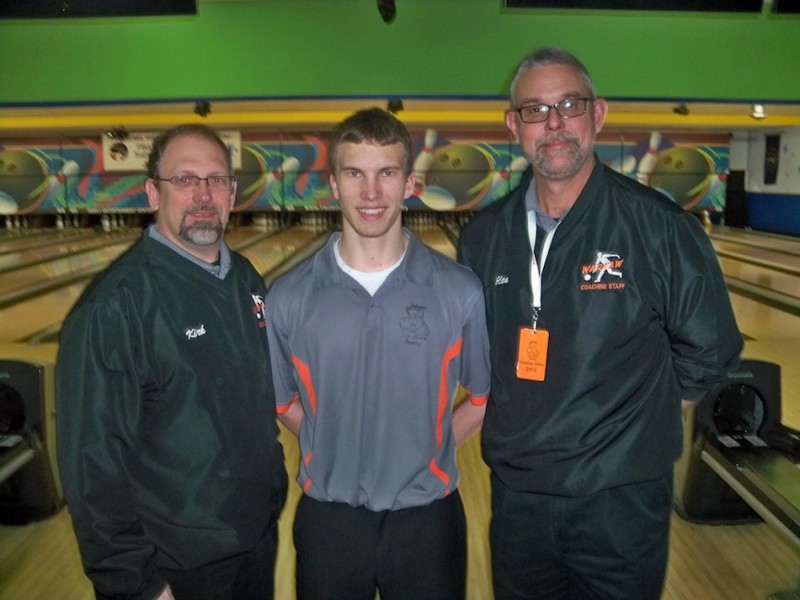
<point>609,545</point>
<point>247,576</point>
<point>345,553</point>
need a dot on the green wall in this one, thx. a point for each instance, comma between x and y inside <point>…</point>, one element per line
<point>434,48</point>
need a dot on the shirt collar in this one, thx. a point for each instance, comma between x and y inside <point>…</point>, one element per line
<point>416,266</point>
<point>219,270</point>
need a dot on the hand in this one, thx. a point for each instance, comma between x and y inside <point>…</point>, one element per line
<point>166,594</point>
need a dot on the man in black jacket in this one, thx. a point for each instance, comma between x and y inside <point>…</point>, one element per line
<point>606,309</point>
<point>167,438</point>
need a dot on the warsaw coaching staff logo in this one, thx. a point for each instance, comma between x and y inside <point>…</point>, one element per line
<point>605,273</point>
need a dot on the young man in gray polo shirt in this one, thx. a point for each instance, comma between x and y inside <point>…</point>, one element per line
<point>370,340</point>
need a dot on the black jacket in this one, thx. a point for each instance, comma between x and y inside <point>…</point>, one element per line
<point>626,345</point>
<point>167,437</point>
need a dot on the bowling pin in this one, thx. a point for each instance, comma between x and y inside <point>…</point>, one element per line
<point>274,179</point>
<point>437,198</point>
<point>423,161</point>
<point>649,160</point>
<point>626,165</point>
<point>58,181</point>
<point>717,186</point>
<point>502,178</point>
<point>69,169</point>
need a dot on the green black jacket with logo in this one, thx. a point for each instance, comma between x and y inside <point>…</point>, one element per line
<point>624,349</point>
<point>167,436</point>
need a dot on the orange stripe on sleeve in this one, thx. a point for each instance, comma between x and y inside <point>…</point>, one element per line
<point>440,474</point>
<point>305,376</point>
<point>444,397</point>
<point>477,400</point>
<point>284,407</point>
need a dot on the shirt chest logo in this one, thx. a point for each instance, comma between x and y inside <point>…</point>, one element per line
<point>415,329</point>
<point>258,310</point>
<point>605,272</point>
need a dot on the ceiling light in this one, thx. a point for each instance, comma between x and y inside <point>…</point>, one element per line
<point>394,105</point>
<point>117,133</point>
<point>758,112</point>
<point>202,108</point>
<point>681,109</point>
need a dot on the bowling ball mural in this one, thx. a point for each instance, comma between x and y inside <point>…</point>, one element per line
<point>250,179</point>
<point>463,170</point>
<point>462,174</point>
<point>683,173</point>
<point>23,181</point>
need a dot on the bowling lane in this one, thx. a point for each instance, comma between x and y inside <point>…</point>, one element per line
<point>47,311</point>
<point>436,238</point>
<point>58,248</point>
<point>39,238</point>
<point>760,255</point>
<point>781,281</point>
<point>754,262</point>
<point>759,321</point>
<point>270,252</point>
<point>65,265</point>
<point>770,241</point>
<point>757,264</point>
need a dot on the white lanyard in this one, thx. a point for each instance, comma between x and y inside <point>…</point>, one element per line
<point>537,269</point>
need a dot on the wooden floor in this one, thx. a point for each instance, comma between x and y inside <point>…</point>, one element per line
<point>39,561</point>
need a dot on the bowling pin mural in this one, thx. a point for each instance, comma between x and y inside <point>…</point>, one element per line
<point>625,166</point>
<point>501,180</point>
<point>437,198</point>
<point>716,191</point>
<point>275,179</point>
<point>69,169</point>
<point>433,197</point>
<point>58,182</point>
<point>8,206</point>
<point>649,160</point>
<point>423,161</point>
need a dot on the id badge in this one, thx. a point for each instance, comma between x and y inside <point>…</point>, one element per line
<point>532,353</point>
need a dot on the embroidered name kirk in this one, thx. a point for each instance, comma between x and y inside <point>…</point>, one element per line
<point>194,332</point>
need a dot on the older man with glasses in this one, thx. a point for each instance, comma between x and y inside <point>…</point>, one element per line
<point>167,438</point>
<point>606,308</point>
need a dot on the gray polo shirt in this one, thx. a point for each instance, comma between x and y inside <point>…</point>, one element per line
<point>377,375</point>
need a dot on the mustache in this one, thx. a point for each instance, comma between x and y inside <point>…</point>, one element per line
<point>201,208</point>
<point>558,137</point>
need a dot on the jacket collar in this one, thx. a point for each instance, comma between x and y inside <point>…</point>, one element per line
<point>517,216</point>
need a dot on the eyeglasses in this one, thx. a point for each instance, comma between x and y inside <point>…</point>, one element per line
<point>215,183</point>
<point>567,108</point>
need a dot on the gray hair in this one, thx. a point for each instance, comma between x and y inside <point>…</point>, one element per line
<point>550,55</point>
